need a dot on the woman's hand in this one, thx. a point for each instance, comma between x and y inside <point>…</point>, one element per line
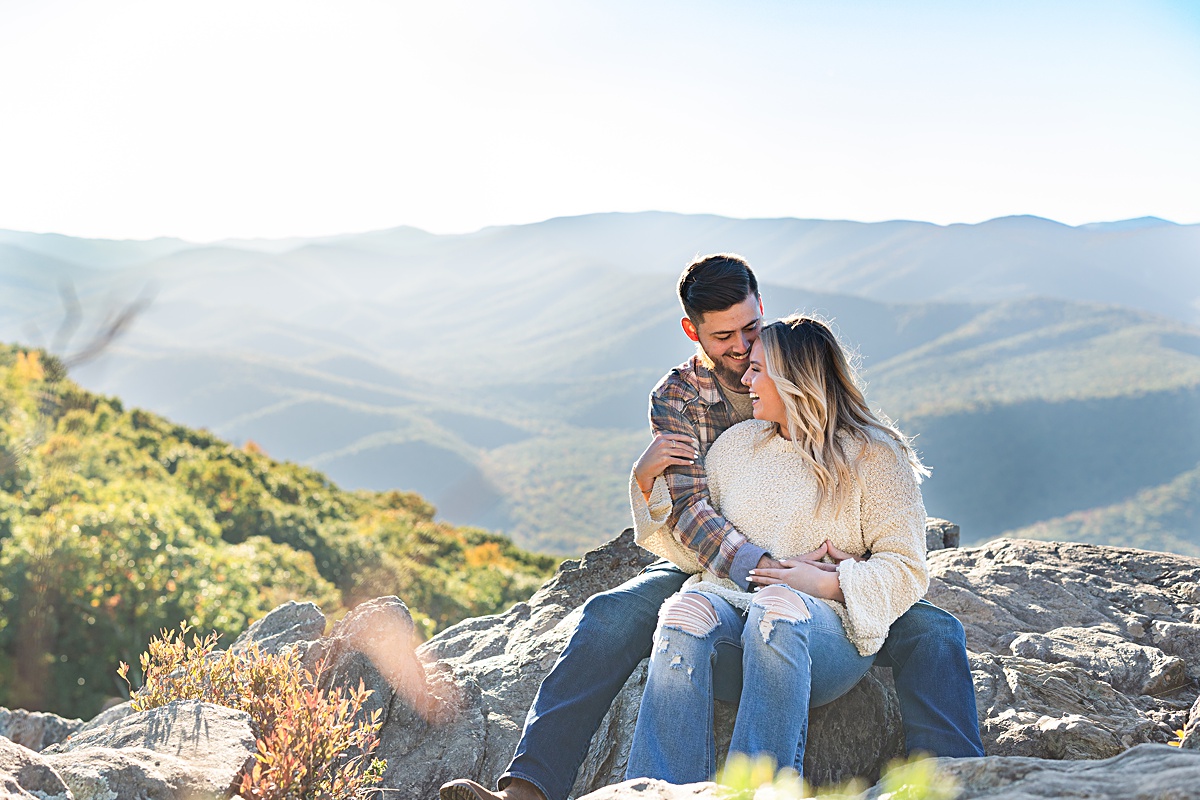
<point>666,450</point>
<point>838,556</point>
<point>814,578</point>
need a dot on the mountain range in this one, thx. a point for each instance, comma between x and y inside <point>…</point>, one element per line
<point>1046,370</point>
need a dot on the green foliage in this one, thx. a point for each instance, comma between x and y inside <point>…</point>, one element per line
<point>115,523</point>
<point>746,778</point>
<point>311,743</point>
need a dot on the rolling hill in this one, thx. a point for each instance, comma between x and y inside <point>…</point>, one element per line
<point>503,374</point>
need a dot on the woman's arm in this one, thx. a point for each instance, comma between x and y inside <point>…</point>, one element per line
<point>665,450</point>
<point>650,499</point>
<point>877,591</point>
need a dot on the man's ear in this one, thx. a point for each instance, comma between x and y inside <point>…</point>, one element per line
<point>690,329</point>
<point>760,306</point>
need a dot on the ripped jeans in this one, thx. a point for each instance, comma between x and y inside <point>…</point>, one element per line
<point>794,654</point>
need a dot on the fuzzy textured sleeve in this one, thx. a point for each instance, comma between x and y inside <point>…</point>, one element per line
<point>883,587</point>
<point>651,528</point>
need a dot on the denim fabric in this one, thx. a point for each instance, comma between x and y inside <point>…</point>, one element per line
<point>613,635</point>
<point>925,649</point>
<point>927,652</point>
<point>784,662</point>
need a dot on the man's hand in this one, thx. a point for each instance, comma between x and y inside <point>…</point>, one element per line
<point>666,450</point>
<point>766,562</point>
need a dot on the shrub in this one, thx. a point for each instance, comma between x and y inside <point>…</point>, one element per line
<point>312,744</point>
<point>746,778</point>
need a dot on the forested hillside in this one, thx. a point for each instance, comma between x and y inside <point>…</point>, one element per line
<point>503,375</point>
<point>115,523</point>
<point>1163,517</point>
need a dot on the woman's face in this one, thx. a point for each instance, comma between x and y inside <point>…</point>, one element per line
<point>768,405</point>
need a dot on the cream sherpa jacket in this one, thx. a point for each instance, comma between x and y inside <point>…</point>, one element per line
<point>763,486</point>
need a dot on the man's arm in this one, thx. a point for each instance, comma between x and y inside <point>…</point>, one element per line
<point>720,548</point>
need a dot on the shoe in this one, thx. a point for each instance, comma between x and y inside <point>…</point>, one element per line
<point>465,789</point>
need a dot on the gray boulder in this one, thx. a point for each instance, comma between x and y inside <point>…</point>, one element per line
<point>1145,772</point>
<point>36,729</point>
<point>1070,660</point>
<point>1083,650</point>
<point>185,749</point>
<point>1084,658</point>
<point>287,624</point>
<point>1129,667</point>
<point>1029,708</point>
<point>1191,730</point>
<point>107,717</point>
<point>940,534</point>
<point>26,775</point>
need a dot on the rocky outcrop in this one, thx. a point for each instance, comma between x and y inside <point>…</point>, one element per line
<point>36,729</point>
<point>1191,730</point>
<point>1084,660</point>
<point>1145,772</point>
<point>187,750</point>
<point>1082,651</point>
<point>25,774</point>
<point>289,623</point>
<point>1068,659</point>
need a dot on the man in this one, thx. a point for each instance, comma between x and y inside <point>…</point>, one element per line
<point>700,399</point>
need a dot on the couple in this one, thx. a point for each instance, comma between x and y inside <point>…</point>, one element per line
<point>863,475</point>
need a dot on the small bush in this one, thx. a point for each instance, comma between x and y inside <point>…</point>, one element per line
<point>746,778</point>
<point>312,744</point>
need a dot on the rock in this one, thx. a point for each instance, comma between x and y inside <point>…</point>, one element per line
<point>374,645</point>
<point>940,534</point>
<point>284,626</point>
<point>185,749</point>
<point>25,774</point>
<point>1145,772</point>
<point>1053,602</point>
<point>1068,643</point>
<point>650,789</point>
<point>1130,668</point>
<point>1013,586</point>
<point>36,729</point>
<point>1031,709</point>
<point>1077,652</point>
<point>1191,731</point>
<point>107,717</point>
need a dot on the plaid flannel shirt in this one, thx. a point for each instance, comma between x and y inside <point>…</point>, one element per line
<point>688,401</point>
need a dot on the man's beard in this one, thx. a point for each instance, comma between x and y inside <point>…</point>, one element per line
<point>729,378</point>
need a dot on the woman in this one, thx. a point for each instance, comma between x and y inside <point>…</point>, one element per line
<point>814,470</point>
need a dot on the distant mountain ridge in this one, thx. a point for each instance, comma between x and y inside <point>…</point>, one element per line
<point>1146,263</point>
<point>503,374</point>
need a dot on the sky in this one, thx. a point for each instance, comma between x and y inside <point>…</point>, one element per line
<point>259,118</point>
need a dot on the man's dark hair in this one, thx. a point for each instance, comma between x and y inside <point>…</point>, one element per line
<point>714,283</point>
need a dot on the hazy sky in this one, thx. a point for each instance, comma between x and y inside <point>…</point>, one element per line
<point>252,118</point>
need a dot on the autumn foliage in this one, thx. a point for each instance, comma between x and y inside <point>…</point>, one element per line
<point>312,744</point>
<point>115,523</point>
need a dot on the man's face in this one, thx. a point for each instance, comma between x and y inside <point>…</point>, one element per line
<point>726,337</point>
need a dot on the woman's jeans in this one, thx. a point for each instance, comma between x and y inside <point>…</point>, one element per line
<point>925,649</point>
<point>791,659</point>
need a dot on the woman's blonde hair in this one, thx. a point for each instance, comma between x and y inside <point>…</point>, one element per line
<point>818,384</point>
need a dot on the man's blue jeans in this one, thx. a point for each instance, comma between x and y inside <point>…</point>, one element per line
<point>926,650</point>
<point>790,660</point>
